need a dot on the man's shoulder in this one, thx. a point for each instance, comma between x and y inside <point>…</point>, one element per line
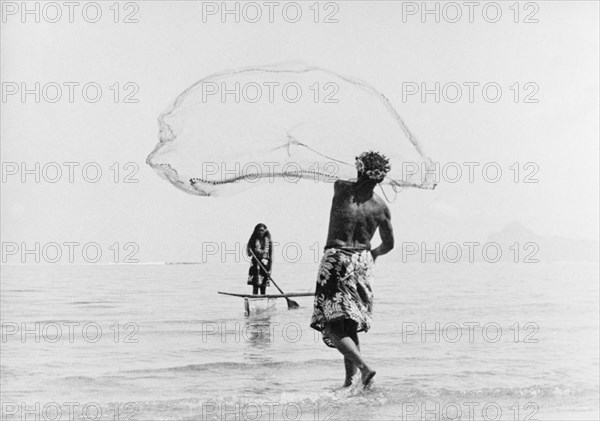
<point>341,185</point>
<point>380,204</point>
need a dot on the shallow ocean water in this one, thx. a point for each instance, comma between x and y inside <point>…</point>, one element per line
<point>156,342</point>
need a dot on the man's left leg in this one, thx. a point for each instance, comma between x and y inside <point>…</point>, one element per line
<point>350,372</point>
<point>350,331</point>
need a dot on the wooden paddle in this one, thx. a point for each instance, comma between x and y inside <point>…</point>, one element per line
<point>290,303</point>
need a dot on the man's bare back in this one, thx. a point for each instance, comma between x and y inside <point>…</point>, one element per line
<point>356,213</point>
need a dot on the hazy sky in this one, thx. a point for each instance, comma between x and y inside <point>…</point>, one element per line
<point>171,47</point>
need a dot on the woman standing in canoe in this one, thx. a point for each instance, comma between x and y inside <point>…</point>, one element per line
<point>260,249</point>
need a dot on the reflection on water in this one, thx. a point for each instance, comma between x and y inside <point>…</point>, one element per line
<point>258,331</point>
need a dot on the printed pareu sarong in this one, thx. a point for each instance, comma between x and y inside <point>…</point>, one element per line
<point>261,250</point>
<point>257,276</point>
<point>343,289</point>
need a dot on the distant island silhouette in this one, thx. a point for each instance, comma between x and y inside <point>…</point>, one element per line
<point>551,249</point>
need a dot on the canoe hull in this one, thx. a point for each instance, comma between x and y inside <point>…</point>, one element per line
<point>259,305</point>
<point>292,294</point>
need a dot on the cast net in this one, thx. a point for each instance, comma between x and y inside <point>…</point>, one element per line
<point>237,129</point>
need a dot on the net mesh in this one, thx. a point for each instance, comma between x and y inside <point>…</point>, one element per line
<point>237,129</point>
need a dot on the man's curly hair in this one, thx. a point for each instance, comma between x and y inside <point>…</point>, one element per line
<point>373,164</point>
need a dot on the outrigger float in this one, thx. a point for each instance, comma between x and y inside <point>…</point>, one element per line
<point>270,299</point>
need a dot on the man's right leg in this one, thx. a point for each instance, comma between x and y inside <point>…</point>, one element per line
<point>346,345</point>
<point>255,289</point>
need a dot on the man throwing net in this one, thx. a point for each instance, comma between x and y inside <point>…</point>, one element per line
<point>343,297</point>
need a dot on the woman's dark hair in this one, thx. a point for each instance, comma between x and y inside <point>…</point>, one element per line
<point>258,226</point>
<point>255,234</point>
